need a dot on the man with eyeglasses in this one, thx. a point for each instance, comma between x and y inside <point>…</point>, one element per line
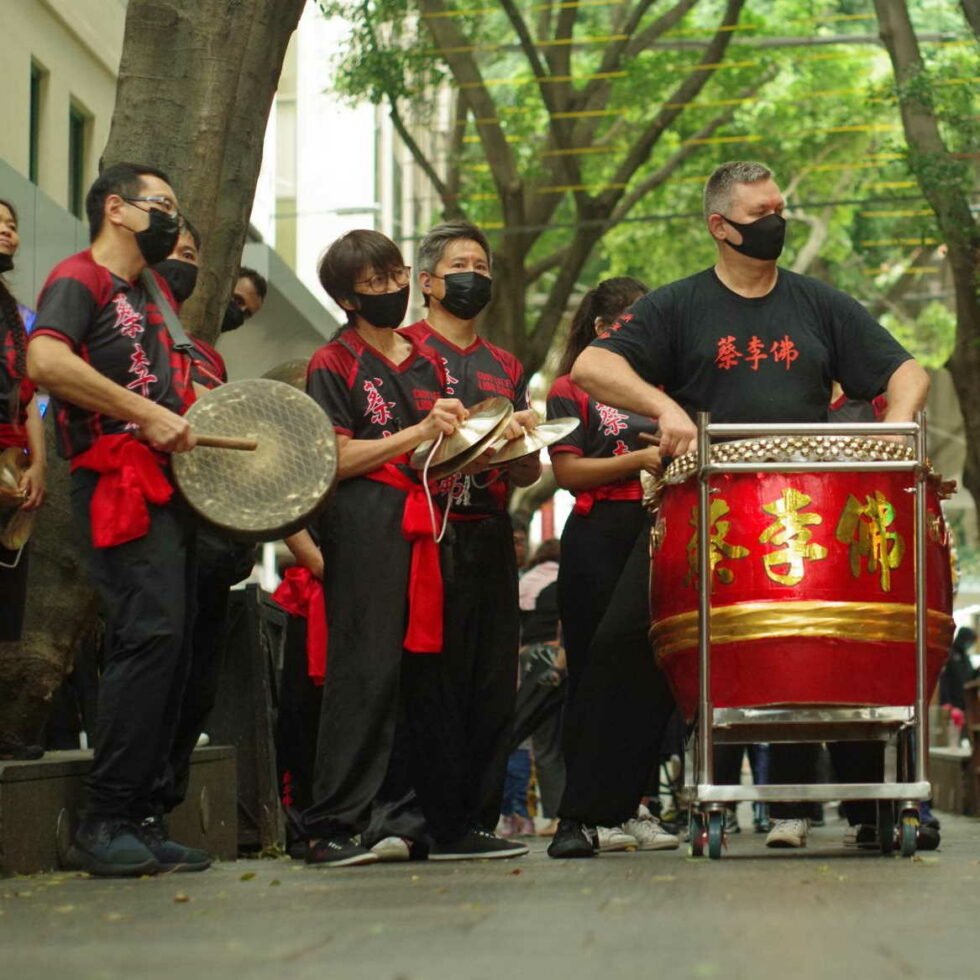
<point>100,346</point>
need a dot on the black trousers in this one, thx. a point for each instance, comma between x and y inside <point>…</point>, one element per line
<point>482,631</point>
<point>371,680</point>
<point>594,551</point>
<point>13,592</point>
<point>147,588</point>
<point>220,563</point>
<point>615,724</point>
<point>795,763</point>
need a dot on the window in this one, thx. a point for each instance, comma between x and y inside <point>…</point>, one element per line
<point>77,147</point>
<point>34,149</point>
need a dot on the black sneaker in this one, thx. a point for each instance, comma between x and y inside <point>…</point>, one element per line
<point>573,840</point>
<point>16,751</point>
<point>475,845</point>
<point>170,855</point>
<point>338,852</point>
<point>927,839</point>
<point>111,849</point>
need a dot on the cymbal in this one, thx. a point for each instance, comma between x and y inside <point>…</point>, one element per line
<point>533,440</point>
<point>486,421</point>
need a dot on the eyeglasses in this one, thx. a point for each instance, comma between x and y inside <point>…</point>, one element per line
<point>400,275</point>
<point>166,204</point>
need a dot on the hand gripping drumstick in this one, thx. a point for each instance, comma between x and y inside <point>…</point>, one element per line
<point>653,440</point>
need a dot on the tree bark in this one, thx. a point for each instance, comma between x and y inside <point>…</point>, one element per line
<point>196,83</point>
<point>940,177</point>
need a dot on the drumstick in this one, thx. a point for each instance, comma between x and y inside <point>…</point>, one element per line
<point>650,439</point>
<point>228,442</point>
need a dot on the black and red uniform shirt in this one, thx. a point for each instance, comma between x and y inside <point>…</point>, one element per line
<point>15,389</point>
<point>367,396</point>
<point>473,374</point>
<point>116,327</point>
<point>603,432</point>
<point>207,365</point>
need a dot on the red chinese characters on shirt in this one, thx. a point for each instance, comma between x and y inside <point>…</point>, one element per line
<point>128,321</point>
<point>450,380</point>
<point>728,356</point>
<point>612,420</point>
<point>377,407</point>
<point>621,448</point>
<point>139,365</point>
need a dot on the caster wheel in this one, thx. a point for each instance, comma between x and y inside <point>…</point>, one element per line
<point>698,835</point>
<point>886,826</point>
<point>716,833</point>
<point>909,833</point>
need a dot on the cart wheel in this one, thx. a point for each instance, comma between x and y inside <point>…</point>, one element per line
<point>886,826</point>
<point>698,837</point>
<point>716,833</point>
<point>910,833</point>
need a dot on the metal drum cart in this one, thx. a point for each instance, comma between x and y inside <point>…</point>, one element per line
<point>801,592</point>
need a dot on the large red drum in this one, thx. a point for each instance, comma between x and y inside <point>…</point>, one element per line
<point>813,580</point>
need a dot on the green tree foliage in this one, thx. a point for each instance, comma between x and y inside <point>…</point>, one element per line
<point>555,148</point>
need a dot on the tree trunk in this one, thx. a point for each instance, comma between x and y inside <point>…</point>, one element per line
<point>196,83</point>
<point>942,179</point>
<point>60,613</point>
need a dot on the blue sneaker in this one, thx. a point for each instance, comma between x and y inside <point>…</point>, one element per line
<point>111,848</point>
<point>170,855</point>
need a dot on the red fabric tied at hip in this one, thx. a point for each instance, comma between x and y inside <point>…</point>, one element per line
<point>12,435</point>
<point>425,592</point>
<point>586,500</point>
<point>301,594</point>
<point>131,477</point>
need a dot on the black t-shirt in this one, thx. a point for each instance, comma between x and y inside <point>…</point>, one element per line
<point>366,395</point>
<point>116,327</point>
<point>15,390</point>
<point>766,359</point>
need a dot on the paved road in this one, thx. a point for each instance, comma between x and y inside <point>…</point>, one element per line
<point>824,912</point>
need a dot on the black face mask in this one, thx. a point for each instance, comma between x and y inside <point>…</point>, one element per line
<point>234,317</point>
<point>157,240</point>
<point>6,262</point>
<point>181,277</point>
<point>385,309</point>
<point>761,239</point>
<point>467,294</point>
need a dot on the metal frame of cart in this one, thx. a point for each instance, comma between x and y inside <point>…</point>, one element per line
<point>906,723</point>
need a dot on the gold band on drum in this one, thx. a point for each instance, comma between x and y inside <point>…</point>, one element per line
<point>857,622</point>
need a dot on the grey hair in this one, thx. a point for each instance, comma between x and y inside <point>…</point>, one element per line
<point>430,249</point>
<point>719,186</point>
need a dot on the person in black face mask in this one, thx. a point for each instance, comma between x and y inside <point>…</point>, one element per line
<point>247,298</point>
<point>385,395</point>
<point>747,341</point>
<point>101,347</point>
<point>482,616</point>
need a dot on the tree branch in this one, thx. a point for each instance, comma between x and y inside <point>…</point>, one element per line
<point>685,93</point>
<point>421,160</point>
<point>971,11</point>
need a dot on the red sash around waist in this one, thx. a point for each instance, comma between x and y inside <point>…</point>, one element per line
<point>13,435</point>
<point>131,475</point>
<point>301,594</point>
<point>585,501</point>
<point>425,594</point>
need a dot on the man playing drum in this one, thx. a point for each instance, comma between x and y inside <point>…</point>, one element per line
<point>101,347</point>
<point>748,342</point>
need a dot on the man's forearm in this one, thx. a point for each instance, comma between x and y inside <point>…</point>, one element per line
<point>610,379</point>
<point>906,392</point>
<point>52,364</point>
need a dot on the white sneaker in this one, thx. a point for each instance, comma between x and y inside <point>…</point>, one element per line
<point>787,833</point>
<point>646,829</point>
<point>392,849</point>
<point>616,839</point>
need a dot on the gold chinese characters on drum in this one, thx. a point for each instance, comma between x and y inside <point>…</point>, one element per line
<point>812,577</point>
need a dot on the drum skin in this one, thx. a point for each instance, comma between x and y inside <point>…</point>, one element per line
<point>813,590</point>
